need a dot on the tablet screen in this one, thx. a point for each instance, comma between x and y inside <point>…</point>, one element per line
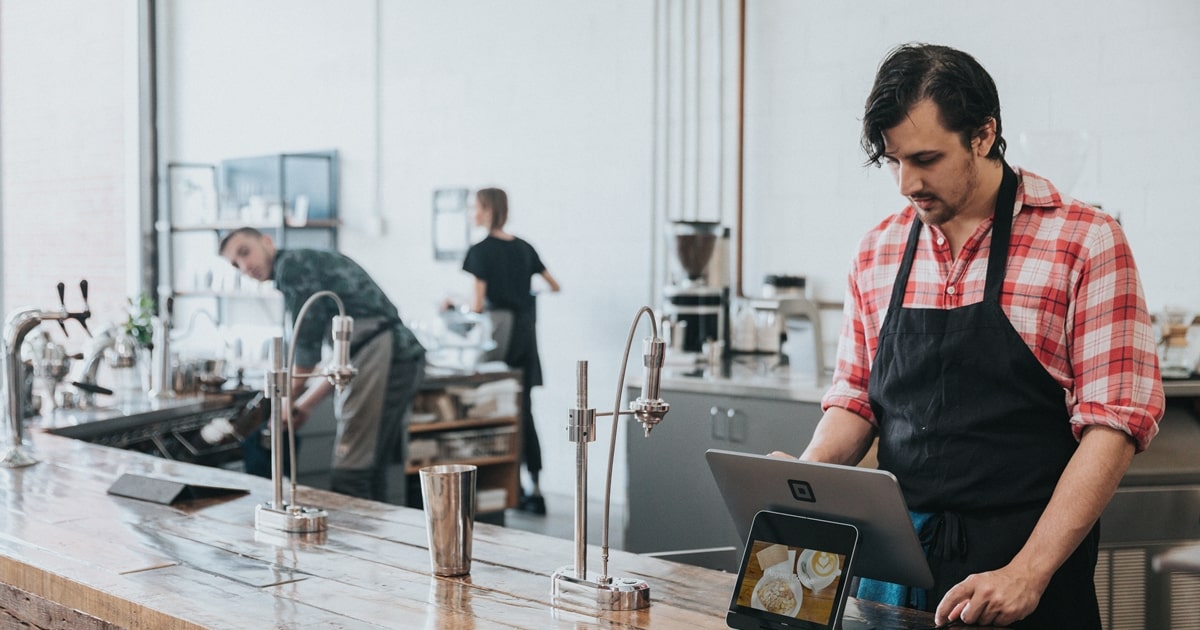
<point>793,574</point>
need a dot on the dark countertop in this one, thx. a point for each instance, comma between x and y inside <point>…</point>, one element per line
<point>1173,457</point>
<point>1182,388</point>
<point>88,423</point>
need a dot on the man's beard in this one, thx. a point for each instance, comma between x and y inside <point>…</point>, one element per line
<point>944,210</point>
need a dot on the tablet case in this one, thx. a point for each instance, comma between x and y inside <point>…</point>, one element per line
<point>166,491</point>
<point>869,499</point>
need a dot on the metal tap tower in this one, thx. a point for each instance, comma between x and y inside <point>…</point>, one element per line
<point>573,584</point>
<point>16,326</point>
<point>288,516</point>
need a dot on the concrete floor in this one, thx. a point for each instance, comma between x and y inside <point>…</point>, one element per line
<point>559,520</point>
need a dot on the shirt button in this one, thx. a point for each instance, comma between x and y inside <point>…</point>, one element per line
<point>941,240</point>
<point>950,290</point>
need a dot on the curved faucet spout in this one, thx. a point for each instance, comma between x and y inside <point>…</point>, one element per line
<point>16,326</point>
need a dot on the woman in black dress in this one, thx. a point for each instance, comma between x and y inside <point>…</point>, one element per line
<point>503,266</point>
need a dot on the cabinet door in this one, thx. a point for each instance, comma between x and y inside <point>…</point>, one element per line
<point>673,502</point>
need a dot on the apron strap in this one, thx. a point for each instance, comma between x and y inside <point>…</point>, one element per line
<point>898,289</point>
<point>1001,232</point>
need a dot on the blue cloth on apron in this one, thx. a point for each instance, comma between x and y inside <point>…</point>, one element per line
<point>897,594</point>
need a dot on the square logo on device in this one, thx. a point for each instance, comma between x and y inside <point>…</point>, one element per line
<point>802,491</point>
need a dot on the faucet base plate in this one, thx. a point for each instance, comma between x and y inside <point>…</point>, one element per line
<point>617,594</point>
<point>293,519</point>
<point>18,457</point>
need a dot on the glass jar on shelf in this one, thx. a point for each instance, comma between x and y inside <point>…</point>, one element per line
<point>1177,359</point>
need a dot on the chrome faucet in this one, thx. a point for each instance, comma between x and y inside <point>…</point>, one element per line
<point>103,340</point>
<point>575,585</point>
<point>17,325</point>
<point>160,359</point>
<point>278,514</point>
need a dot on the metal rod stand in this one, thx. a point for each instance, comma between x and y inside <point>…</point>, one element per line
<point>574,585</point>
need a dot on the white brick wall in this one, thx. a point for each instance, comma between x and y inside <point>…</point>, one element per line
<point>1125,72</point>
<point>63,130</point>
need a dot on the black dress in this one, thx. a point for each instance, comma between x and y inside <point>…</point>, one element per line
<point>507,267</point>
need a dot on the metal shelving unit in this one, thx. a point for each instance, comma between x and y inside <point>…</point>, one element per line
<point>293,197</point>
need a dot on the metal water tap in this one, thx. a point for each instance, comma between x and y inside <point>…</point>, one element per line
<point>17,325</point>
<point>91,364</point>
<point>160,359</point>
<point>278,514</point>
<point>573,584</point>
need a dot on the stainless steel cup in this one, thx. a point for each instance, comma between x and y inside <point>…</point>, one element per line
<point>448,492</point>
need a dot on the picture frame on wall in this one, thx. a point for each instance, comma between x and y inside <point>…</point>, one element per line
<point>193,194</point>
<point>451,223</point>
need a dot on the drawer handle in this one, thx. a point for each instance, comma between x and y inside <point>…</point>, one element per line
<point>725,424</point>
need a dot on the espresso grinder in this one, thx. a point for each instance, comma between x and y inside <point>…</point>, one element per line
<point>696,296</point>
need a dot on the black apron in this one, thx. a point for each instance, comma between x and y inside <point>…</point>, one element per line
<point>978,433</point>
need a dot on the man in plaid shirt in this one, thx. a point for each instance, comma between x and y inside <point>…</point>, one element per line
<point>997,342</point>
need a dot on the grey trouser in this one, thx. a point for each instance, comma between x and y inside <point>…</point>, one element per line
<point>372,415</point>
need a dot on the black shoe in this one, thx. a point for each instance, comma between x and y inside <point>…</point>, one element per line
<point>534,504</point>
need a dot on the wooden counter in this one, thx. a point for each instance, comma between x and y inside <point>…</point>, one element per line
<point>72,556</point>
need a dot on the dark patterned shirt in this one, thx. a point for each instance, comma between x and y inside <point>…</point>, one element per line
<point>299,273</point>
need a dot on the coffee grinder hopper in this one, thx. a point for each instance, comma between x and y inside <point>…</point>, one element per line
<point>693,244</point>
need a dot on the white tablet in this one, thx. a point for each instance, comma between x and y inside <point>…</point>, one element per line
<point>866,498</point>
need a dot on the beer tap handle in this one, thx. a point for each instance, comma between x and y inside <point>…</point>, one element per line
<point>87,310</point>
<point>82,316</point>
<point>62,303</point>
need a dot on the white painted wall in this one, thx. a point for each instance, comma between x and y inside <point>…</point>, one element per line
<point>553,101</point>
<point>543,98</point>
<point>1124,72</point>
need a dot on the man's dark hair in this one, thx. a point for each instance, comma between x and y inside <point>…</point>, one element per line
<point>963,91</point>
<point>249,231</point>
<point>496,200</point>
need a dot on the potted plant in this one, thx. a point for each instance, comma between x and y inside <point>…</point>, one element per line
<point>140,324</point>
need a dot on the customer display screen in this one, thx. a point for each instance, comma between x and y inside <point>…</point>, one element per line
<point>791,581</point>
<point>793,574</point>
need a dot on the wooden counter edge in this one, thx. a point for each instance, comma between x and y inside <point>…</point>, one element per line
<point>76,598</point>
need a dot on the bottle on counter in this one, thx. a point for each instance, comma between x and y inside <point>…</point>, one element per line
<point>1176,359</point>
<point>768,331</point>
<point>122,358</point>
<point>745,330</point>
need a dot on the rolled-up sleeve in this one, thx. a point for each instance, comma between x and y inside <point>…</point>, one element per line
<point>1113,351</point>
<point>853,368</point>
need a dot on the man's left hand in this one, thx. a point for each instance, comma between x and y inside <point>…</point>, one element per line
<point>992,598</point>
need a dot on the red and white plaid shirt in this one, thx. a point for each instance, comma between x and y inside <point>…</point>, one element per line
<point>1071,291</point>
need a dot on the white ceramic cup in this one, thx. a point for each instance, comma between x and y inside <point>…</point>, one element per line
<point>818,569</point>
